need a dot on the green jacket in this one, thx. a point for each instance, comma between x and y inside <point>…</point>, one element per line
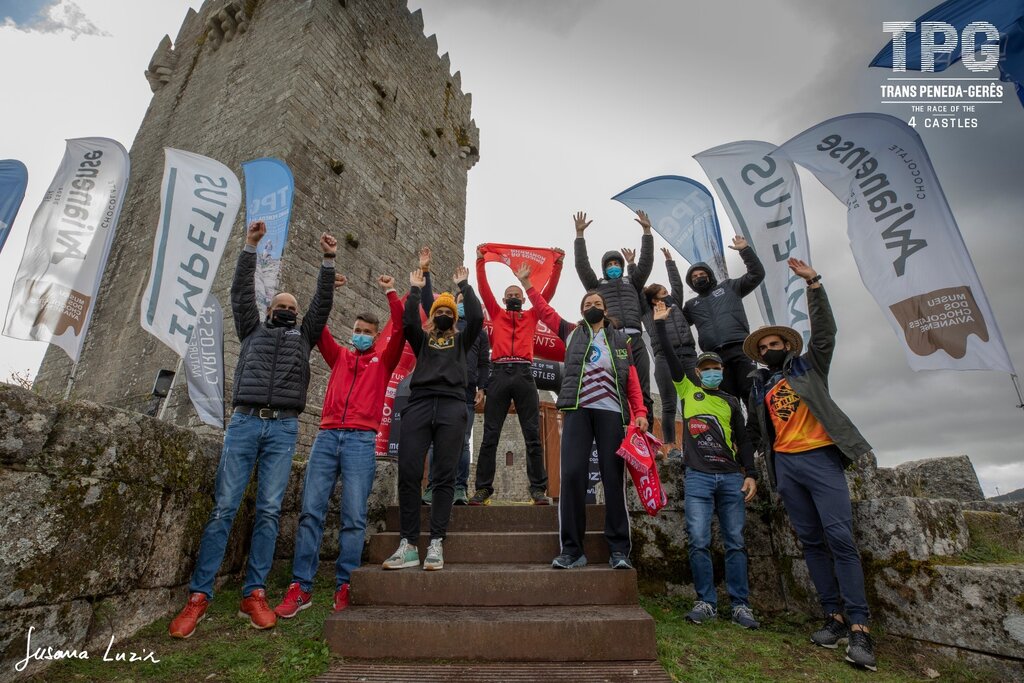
<point>808,376</point>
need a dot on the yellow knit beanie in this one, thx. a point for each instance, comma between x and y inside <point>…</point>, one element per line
<point>445,299</point>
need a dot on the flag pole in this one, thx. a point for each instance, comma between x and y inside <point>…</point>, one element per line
<point>1016,386</point>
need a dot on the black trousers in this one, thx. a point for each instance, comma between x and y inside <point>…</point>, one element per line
<point>642,360</point>
<point>511,383</point>
<point>667,389</point>
<point>580,429</point>
<point>440,421</point>
<point>736,377</point>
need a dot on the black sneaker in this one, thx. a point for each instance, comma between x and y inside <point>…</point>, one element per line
<point>567,561</point>
<point>537,497</point>
<point>860,651</point>
<point>481,497</point>
<point>830,633</point>
<point>619,561</point>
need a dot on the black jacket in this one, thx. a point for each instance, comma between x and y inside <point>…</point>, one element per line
<point>441,361</point>
<point>676,327</point>
<point>621,295</point>
<point>273,364</point>
<point>478,358</point>
<point>718,313</point>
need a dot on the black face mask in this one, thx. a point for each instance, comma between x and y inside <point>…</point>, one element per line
<point>514,304</point>
<point>593,315</point>
<point>773,358</point>
<point>669,301</point>
<point>282,318</point>
<point>701,284</point>
<point>443,322</point>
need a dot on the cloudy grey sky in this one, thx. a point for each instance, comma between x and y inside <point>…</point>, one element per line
<point>577,100</point>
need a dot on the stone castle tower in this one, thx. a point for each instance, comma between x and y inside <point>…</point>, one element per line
<point>377,132</point>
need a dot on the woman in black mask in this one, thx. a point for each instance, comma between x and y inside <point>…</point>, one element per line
<point>435,414</point>
<point>600,395</point>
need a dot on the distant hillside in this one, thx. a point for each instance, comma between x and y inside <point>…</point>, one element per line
<point>1012,495</point>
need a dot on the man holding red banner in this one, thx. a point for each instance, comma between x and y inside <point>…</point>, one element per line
<point>344,447</point>
<point>511,378</point>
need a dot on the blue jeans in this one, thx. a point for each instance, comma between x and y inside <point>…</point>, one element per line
<point>462,474</point>
<point>248,442</point>
<point>817,499</point>
<point>349,453</point>
<point>707,494</point>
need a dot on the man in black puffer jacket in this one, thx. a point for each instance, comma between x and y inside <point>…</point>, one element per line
<point>717,313</point>
<point>622,291</point>
<point>271,379</point>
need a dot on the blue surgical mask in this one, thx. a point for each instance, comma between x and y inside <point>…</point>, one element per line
<point>462,310</point>
<point>362,341</point>
<point>613,272</point>
<point>710,378</point>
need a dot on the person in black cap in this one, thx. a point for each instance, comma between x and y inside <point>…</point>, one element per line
<point>720,478</point>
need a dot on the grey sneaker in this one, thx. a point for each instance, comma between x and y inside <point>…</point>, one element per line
<point>566,561</point>
<point>407,555</point>
<point>701,612</point>
<point>538,498</point>
<point>619,561</point>
<point>435,556</point>
<point>861,650</point>
<point>428,497</point>
<point>830,633</point>
<point>743,616</point>
<point>460,496</point>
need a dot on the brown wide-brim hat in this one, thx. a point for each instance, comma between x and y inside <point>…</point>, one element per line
<point>796,342</point>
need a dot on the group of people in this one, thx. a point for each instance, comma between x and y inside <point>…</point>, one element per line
<point>789,417</point>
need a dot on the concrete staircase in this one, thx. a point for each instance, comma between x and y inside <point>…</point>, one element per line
<point>497,607</point>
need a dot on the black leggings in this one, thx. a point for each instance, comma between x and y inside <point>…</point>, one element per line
<point>440,421</point>
<point>669,399</point>
<point>580,429</point>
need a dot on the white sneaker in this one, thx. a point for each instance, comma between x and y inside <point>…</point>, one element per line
<point>407,555</point>
<point>435,556</point>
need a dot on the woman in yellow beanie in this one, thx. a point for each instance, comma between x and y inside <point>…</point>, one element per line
<point>435,414</point>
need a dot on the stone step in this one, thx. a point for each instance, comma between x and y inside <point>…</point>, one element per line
<point>501,518</point>
<point>574,633</point>
<point>494,585</point>
<point>508,547</point>
<point>507,672</point>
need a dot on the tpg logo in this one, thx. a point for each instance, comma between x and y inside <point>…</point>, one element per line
<point>939,42</point>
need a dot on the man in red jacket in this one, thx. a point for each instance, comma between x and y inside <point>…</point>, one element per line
<point>512,382</point>
<point>345,445</point>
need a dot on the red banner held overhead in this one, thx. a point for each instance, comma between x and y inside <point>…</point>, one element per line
<point>540,259</point>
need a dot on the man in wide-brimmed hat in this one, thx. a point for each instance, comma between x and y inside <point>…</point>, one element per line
<point>808,442</point>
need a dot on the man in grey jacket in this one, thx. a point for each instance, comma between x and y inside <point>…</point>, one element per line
<point>808,442</point>
<point>269,394</point>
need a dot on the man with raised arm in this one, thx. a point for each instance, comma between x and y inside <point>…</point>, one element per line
<point>269,393</point>
<point>511,381</point>
<point>344,447</point>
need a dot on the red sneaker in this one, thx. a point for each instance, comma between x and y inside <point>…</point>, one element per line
<point>184,625</point>
<point>257,611</point>
<point>341,598</point>
<point>295,600</point>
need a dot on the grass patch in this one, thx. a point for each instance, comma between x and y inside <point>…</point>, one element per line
<point>781,651</point>
<point>224,647</point>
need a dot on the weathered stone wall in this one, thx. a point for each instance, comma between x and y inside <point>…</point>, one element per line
<point>919,584</point>
<point>101,512</point>
<point>374,126</point>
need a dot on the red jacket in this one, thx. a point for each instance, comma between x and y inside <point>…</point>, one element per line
<point>513,331</point>
<point>355,390</point>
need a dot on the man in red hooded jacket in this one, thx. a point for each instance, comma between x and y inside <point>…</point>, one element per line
<point>344,446</point>
<point>512,381</point>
